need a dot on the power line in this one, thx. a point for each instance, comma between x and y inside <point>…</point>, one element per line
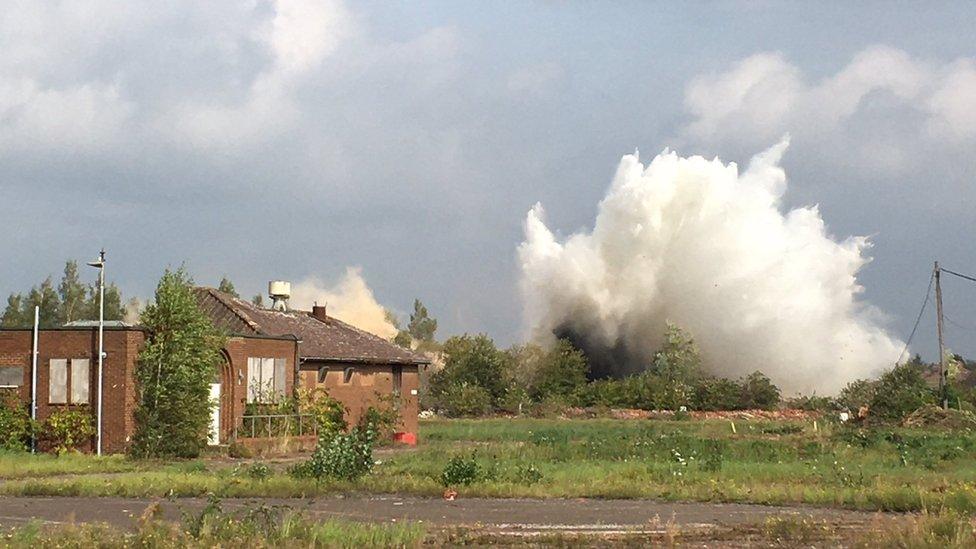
<point>918,319</point>
<point>958,325</point>
<point>967,277</point>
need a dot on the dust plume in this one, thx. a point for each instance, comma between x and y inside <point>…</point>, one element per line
<point>350,300</point>
<point>695,242</point>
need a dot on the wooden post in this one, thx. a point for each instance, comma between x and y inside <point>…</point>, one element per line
<point>943,374</point>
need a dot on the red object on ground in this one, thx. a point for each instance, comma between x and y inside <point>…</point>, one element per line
<point>409,439</point>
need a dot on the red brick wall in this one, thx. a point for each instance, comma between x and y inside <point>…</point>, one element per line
<point>121,347</point>
<point>238,350</point>
<point>366,388</point>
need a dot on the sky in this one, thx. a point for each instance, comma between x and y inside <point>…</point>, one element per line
<point>406,141</point>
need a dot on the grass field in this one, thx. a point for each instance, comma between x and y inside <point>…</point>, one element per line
<point>760,462</point>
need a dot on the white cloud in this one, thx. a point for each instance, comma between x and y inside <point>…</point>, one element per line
<point>83,117</point>
<point>301,35</point>
<point>866,110</point>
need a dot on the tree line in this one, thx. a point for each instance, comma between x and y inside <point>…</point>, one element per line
<point>69,301</point>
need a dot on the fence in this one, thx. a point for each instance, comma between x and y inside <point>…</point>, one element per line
<point>276,425</point>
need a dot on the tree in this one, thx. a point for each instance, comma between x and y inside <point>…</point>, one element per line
<point>471,360</point>
<point>46,298</point>
<point>421,327</point>
<point>258,301</point>
<point>758,392</point>
<point>561,373</point>
<point>72,294</point>
<point>227,287</point>
<point>13,315</point>
<point>901,391</point>
<point>114,309</point>
<point>174,371</point>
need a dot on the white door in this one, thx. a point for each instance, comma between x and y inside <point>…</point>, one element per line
<point>214,414</point>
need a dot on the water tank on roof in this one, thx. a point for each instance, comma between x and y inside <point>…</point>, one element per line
<point>280,291</point>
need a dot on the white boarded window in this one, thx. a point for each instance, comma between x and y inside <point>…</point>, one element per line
<point>58,381</point>
<point>266,378</point>
<point>79,380</point>
<point>11,376</point>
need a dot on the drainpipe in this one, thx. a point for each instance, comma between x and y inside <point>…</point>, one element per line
<point>37,315</point>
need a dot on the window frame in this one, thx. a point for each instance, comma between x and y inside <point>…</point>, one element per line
<point>12,367</point>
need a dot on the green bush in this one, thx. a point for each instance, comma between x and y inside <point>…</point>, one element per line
<point>758,392</point>
<point>66,429</point>
<point>465,400</point>
<point>258,471</point>
<point>561,372</point>
<point>900,391</point>
<point>347,456</point>
<point>460,471</point>
<point>471,361</point>
<point>16,426</point>
<point>527,474</point>
<point>712,393</point>
<point>856,394</point>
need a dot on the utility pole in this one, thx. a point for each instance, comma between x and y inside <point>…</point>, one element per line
<point>939,323</point>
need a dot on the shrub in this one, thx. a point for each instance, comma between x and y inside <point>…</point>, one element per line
<point>471,361</point>
<point>460,471</point>
<point>347,456</point>
<point>561,373</point>
<point>515,401</point>
<point>527,474</point>
<point>238,450</point>
<point>258,471</point>
<point>465,400</point>
<point>712,393</point>
<point>759,392</point>
<point>328,413</point>
<point>900,391</point>
<point>856,394</point>
<point>66,429</point>
<point>16,426</point>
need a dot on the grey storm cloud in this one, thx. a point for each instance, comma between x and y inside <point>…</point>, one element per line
<point>298,139</point>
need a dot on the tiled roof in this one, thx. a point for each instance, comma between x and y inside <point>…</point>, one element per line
<point>329,340</point>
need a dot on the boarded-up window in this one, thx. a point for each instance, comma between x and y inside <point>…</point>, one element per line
<point>58,381</point>
<point>397,380</point>
<point>265,379</point>
<point>79,380</point>
<point>11,376</point>
<point>279,377</point>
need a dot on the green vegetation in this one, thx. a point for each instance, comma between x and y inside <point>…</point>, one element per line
<point>768,462</point>
<point>174,371</point>
<point>259,526</point>
<point>66,429</point>
<point>16,426</point>
<point>71,300</point>
<point>227,287</point>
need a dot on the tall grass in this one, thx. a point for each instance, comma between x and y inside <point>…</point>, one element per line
<point>759,461</point>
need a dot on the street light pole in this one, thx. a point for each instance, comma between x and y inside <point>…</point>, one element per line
<point>100,265</point>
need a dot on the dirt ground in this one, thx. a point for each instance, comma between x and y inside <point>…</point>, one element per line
<point>492,515</point>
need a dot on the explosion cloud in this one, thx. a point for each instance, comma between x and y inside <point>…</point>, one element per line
<point>695,242</point>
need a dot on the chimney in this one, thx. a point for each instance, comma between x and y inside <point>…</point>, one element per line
<point>318,313</point>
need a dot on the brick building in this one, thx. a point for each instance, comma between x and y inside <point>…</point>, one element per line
<point>354,366</point>
<point>67,375</point>
<point>266,353</point>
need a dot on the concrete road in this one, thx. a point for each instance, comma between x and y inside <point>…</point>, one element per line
<point>499,515</point>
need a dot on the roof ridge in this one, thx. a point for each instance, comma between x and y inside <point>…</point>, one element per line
<point>222,298</point>
<point>369,334</point>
